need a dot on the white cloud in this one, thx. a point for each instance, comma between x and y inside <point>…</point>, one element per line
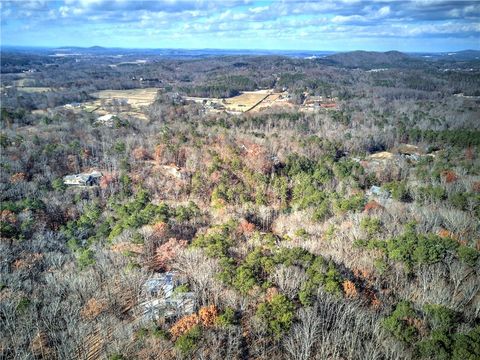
<point>384,11</point>
<point>239,18</point>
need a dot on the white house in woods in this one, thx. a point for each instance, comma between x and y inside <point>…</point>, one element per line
<point>84,179</point>
<point>161,301</point>
<point>161,285</point>
<point>106,120</point>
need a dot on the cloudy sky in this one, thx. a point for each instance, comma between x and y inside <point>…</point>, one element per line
<point>421,25</point>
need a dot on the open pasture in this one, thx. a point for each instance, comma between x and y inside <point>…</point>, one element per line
<point>135,97</point>
<point>245,101</point>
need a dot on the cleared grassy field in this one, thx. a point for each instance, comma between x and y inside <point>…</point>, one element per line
<point>134,97</point>
<point>245,101</point>
<point>37,89</point>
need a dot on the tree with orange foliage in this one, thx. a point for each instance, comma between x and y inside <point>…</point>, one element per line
<point>140,153</point>
<point>257,158</point>
<point>372,206</point>
<point>373,299</point>
<point>108,179</point>
<point>349,289</point>
<point>8,216</point>
<point>246,228</point>
<point>18,177</point>
<point>476,187</point>
<point>184,324</point>
<point>449,176</point>
<point>208,315</point>
<point>165,254</point>
<point>159,230</point>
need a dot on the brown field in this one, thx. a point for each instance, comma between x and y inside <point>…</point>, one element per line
<point>271,100</point>
<point>135,97</point>
<point>37,89</point>
<point>245,101</point>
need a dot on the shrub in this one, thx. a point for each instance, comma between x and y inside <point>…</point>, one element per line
<point>440,317</point>
<point>116,357</point>
<point>380,265</point>
<point>119,147</point>
<point>85,258</point>
<point>277,313</point>
<point>322,211</point>
<point>187,342</point>
<point>412,248</point>
<point>320,274</point>
<point>468,255</point>
<point>437,346</point>
<point>397,323</point>
<point>227,318</point>
<point>301,232</point>
<point>58,185</point>
<point>23,305</point>
<point>370,225</point>
<point>399,191</point>
<point>459,200</point>
<point>467,346</point>
<point>354,203</point>
<point>244,279</point>
<point>8,229</point>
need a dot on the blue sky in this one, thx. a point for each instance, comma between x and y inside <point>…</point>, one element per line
<point>421,25</point>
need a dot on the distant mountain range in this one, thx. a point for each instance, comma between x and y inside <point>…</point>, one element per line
<point>351,59</point>
<point>373,59</point>
<point>369,59</point>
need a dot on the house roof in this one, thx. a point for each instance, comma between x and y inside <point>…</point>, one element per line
<point>105,117</point>
<point>161,283</point>
<point>83,177</point>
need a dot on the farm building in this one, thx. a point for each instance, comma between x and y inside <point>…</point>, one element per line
<point>316,102</point>
<point>72,105</point>
<point>84,179</point>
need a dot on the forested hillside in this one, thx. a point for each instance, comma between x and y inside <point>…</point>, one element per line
<point>339,221</point>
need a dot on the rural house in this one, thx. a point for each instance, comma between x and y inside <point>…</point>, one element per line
<point>84,179</point>
<point>161,301</point>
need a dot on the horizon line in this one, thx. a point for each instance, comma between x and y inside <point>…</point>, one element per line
<point>224,49</point>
